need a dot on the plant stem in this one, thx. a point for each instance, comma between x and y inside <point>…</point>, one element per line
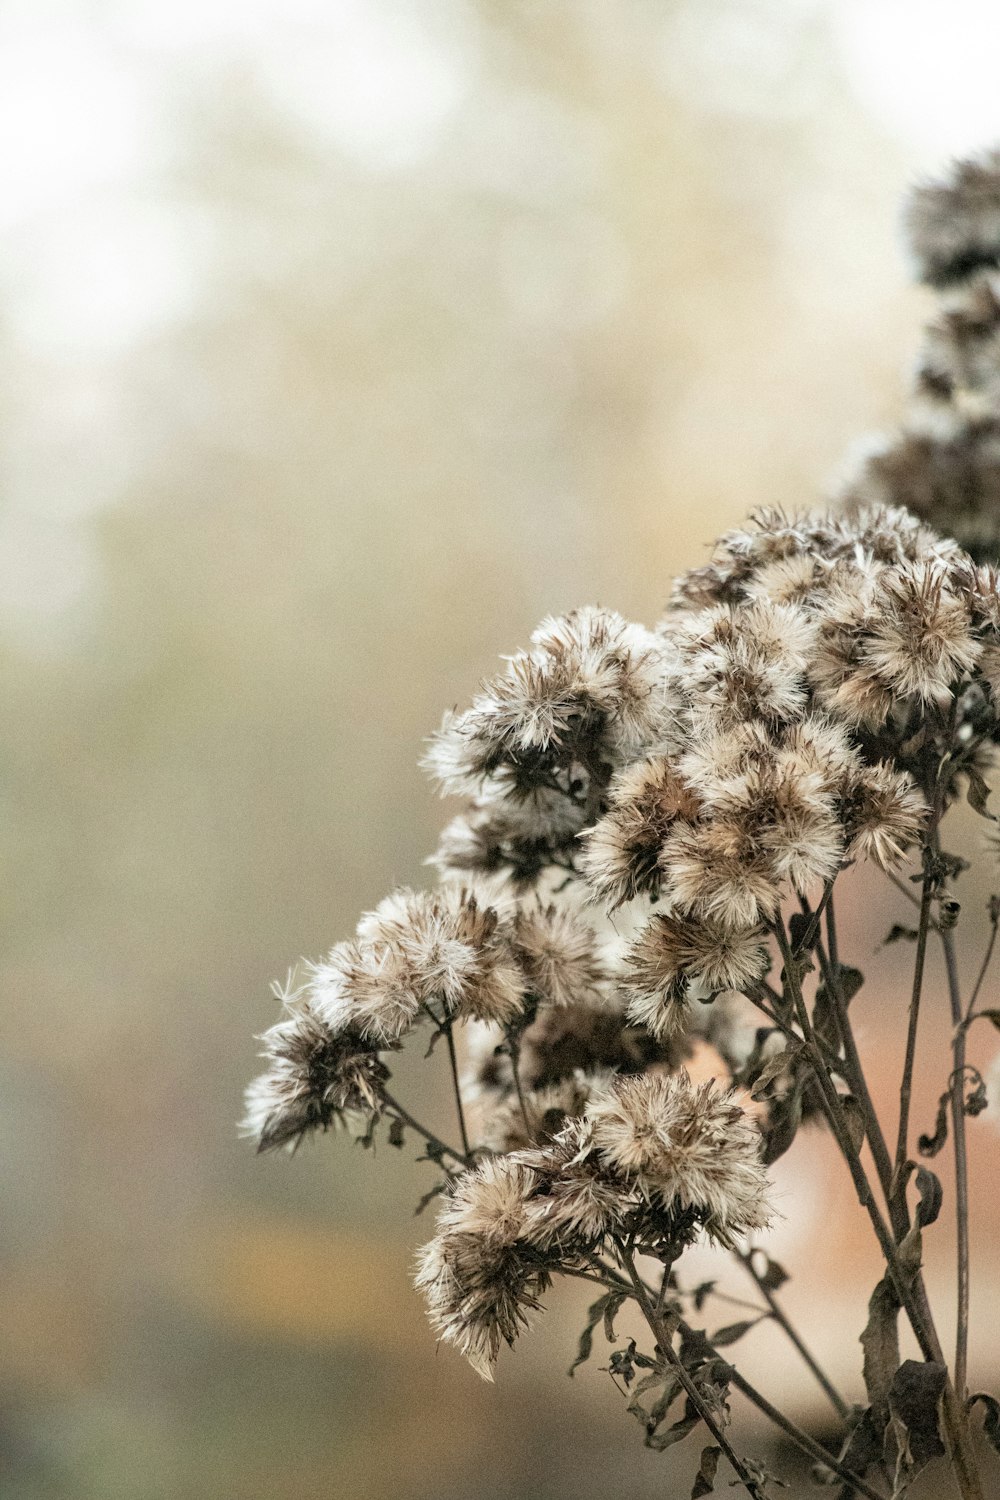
<point>919,1318</point>
<point>856,1072</point>
<point>803,1441</point>
<point>665,1345</point>
<point>453,1059</point>
<point>514,1049</point>
<point>994,923</point>
<point>463,1159</point>
<point>905,890</point>
<point>781,1318</point>
<point>961,1162</point>
<point>906,1085</point>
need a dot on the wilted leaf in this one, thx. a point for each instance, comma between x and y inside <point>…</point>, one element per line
<point>647,1383</point>
<point>701,1294</point>
<point>429,1197</point>
<point>976,1100</point>
<point>914,1400</point>
<point>800,926</point>
<point>864,1446</point>
<point>930,1194</point>
<point>991,1421</point>
<point>774,1068</point>
<point>775,1275</point>
<point>899,934</point>
<point>704,1480</point>
<point>733,1332</point>
<point>396,1136</point>
<point>880,1342</point>
<point>782,1126</point>
<point>613,1302</point>
<point>978,792</point>
<point>659,1441</point>
<point>930,1145</point>
<point>595,1312</point>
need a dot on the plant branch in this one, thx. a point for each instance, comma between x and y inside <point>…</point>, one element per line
<point>855,1070</point>
<point>781,1318</point>
<point>959,1039</point>
<point>453,1059</point>
<point>439,1146</point>
<point>665,1344</point>
<point>802,1440</point>
<point>918,1316</point>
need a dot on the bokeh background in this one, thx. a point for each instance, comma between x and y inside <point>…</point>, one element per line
<point>340,340</point>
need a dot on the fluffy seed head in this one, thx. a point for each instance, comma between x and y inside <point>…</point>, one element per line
<point>314,1075</point>
<point>693,1146</point>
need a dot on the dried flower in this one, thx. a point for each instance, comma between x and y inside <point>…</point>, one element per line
<point>314,1076</point>
<point>693,1146</point>
<point>884,814</point>
<point>481,1275</point>
<point>622,850</point>
<point>558,953</point>
<point>676,959</point>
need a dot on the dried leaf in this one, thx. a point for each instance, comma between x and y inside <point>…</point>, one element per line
<point>783,1123</point>
<point>613,1302</point>
<point>930,1145</point>
<point>659,1441</point>
<point>899,934</point>
<point>701,1294</point>
<point>931,1196</point>
<point>396,1136</point>
<point>704,1480</point>
<point>435,1192</point>
<point>774,1276</point>
<point>733,1332</point>
<point>595,1312</point>
<point>880,1342</point>
<point>991,1421</point>
<point>851,981</point>
<point>774,1068</point>
<point>800,925</point>
<point>978,792</point>
<point>864,1446</point>
<point>976,1100</point>
<point>914,1401</point>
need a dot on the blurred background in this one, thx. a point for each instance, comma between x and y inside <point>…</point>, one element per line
<point>340,340</point>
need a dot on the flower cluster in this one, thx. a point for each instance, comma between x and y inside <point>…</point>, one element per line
<point>651,1154</point>
<point>436,957</point>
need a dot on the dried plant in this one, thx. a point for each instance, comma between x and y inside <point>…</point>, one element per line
<point>635,929</point>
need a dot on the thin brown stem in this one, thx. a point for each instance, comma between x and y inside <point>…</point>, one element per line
<point>905,890</point>
<point>961,1162</point>
<point>987,960</point>
<point>515,1068</point>
<point>920,1322</point>
<point>855,1067</point>
<point>453,1059</point>
<point>802,1440</point>
<point>439,1146</point>
<point>779,1315</point>
<point>906,1084</point>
